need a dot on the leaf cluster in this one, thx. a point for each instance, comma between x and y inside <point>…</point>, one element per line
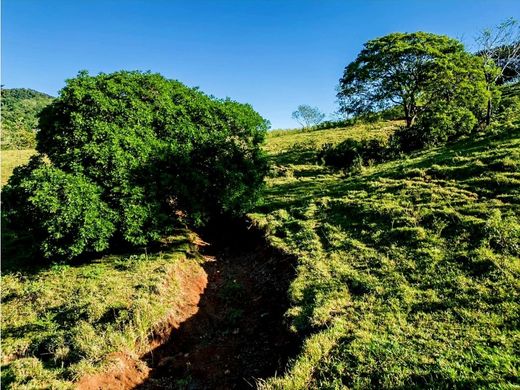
<point>159,153</point>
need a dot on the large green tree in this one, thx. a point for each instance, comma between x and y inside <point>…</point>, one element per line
<point>154,151</point>
<point>413,70</point>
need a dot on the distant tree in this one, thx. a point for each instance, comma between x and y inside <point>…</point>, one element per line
<point>403,69</point>
<point>500,49</point>
<point>308,116</point>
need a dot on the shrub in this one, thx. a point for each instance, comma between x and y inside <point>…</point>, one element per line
<point>435,127</point>
<point>61,212</point>
<point>156,147</point>
<point>351,153</point>
<point>340,156</point>
<point>507,113</point>
<point>406,140</point>
<point>157,152</point>
<point>503,233</point>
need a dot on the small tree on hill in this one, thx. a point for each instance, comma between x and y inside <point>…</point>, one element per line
<point>500,49</point>
<point>308,116</point>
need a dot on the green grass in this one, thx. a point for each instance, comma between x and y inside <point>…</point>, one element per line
<point>11,159</point>
<point>288,147</point>
<point>61,322</point>
<point>409,271</point>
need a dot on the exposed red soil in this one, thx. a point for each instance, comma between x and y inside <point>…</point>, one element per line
<point>226,338</point>
<point>127,372</point>
<point>239,333</point>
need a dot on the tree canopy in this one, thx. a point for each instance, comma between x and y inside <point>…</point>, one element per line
<point>159,153</point>
<point>413,70</point>
<point>308,116</point>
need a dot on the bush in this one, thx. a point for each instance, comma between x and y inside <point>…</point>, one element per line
<point>351,153</point>
<point>62,213</point>
<point>507,113</point>
<point>332,124</point>
<point>435,127</point>
<point>160,153</point>
<point>503,233</point>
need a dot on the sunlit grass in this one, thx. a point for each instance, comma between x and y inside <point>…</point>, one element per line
<point>61,322</point>
<point>409,273</point>
<point>10,159</point>
<point>300,146</point>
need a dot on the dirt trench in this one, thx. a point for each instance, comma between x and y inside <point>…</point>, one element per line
<point>239,333</point>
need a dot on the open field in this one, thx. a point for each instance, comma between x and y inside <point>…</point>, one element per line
<point>11,159</point>
<point>409,272</point>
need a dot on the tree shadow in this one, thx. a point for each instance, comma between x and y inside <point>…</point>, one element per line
<point>240,333</point>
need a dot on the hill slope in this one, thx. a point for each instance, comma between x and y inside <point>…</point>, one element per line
<point>92,320</point>
<point>20,107</point>
<point>409,272</point>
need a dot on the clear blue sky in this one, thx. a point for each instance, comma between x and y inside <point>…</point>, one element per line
<point>273,54</point>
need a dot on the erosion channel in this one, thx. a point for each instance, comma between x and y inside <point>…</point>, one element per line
<point>239,334</point>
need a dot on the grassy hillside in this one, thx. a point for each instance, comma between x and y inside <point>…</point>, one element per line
<point>299,146</point>
<point>409,272</point>
<point>61,323</point>
<point>20,107</point>
<point>10,159</point>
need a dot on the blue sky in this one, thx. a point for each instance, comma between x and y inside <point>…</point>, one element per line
<point>273,54</point>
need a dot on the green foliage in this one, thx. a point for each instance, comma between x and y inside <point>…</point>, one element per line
<point>436,126</point>
<point>507,113</point>
<point>351,153</point>
<point>20,109</point>
<point>308,116</point>
<point>224,169</point>
<point>159,152</point>
<point>62,213</point>
<point>393,69</point>
<point>430,76</point>
<point>408,273</point>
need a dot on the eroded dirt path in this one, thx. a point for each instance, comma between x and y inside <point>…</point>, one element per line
<point>239,333</point>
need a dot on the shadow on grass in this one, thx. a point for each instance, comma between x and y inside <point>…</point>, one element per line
<point>20,255</point>
<point>240,332</point>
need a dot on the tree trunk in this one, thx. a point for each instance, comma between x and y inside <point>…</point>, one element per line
<point>407,116</point>
<point>488,113</point>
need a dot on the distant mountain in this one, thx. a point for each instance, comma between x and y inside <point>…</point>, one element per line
<point>19,109</point>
